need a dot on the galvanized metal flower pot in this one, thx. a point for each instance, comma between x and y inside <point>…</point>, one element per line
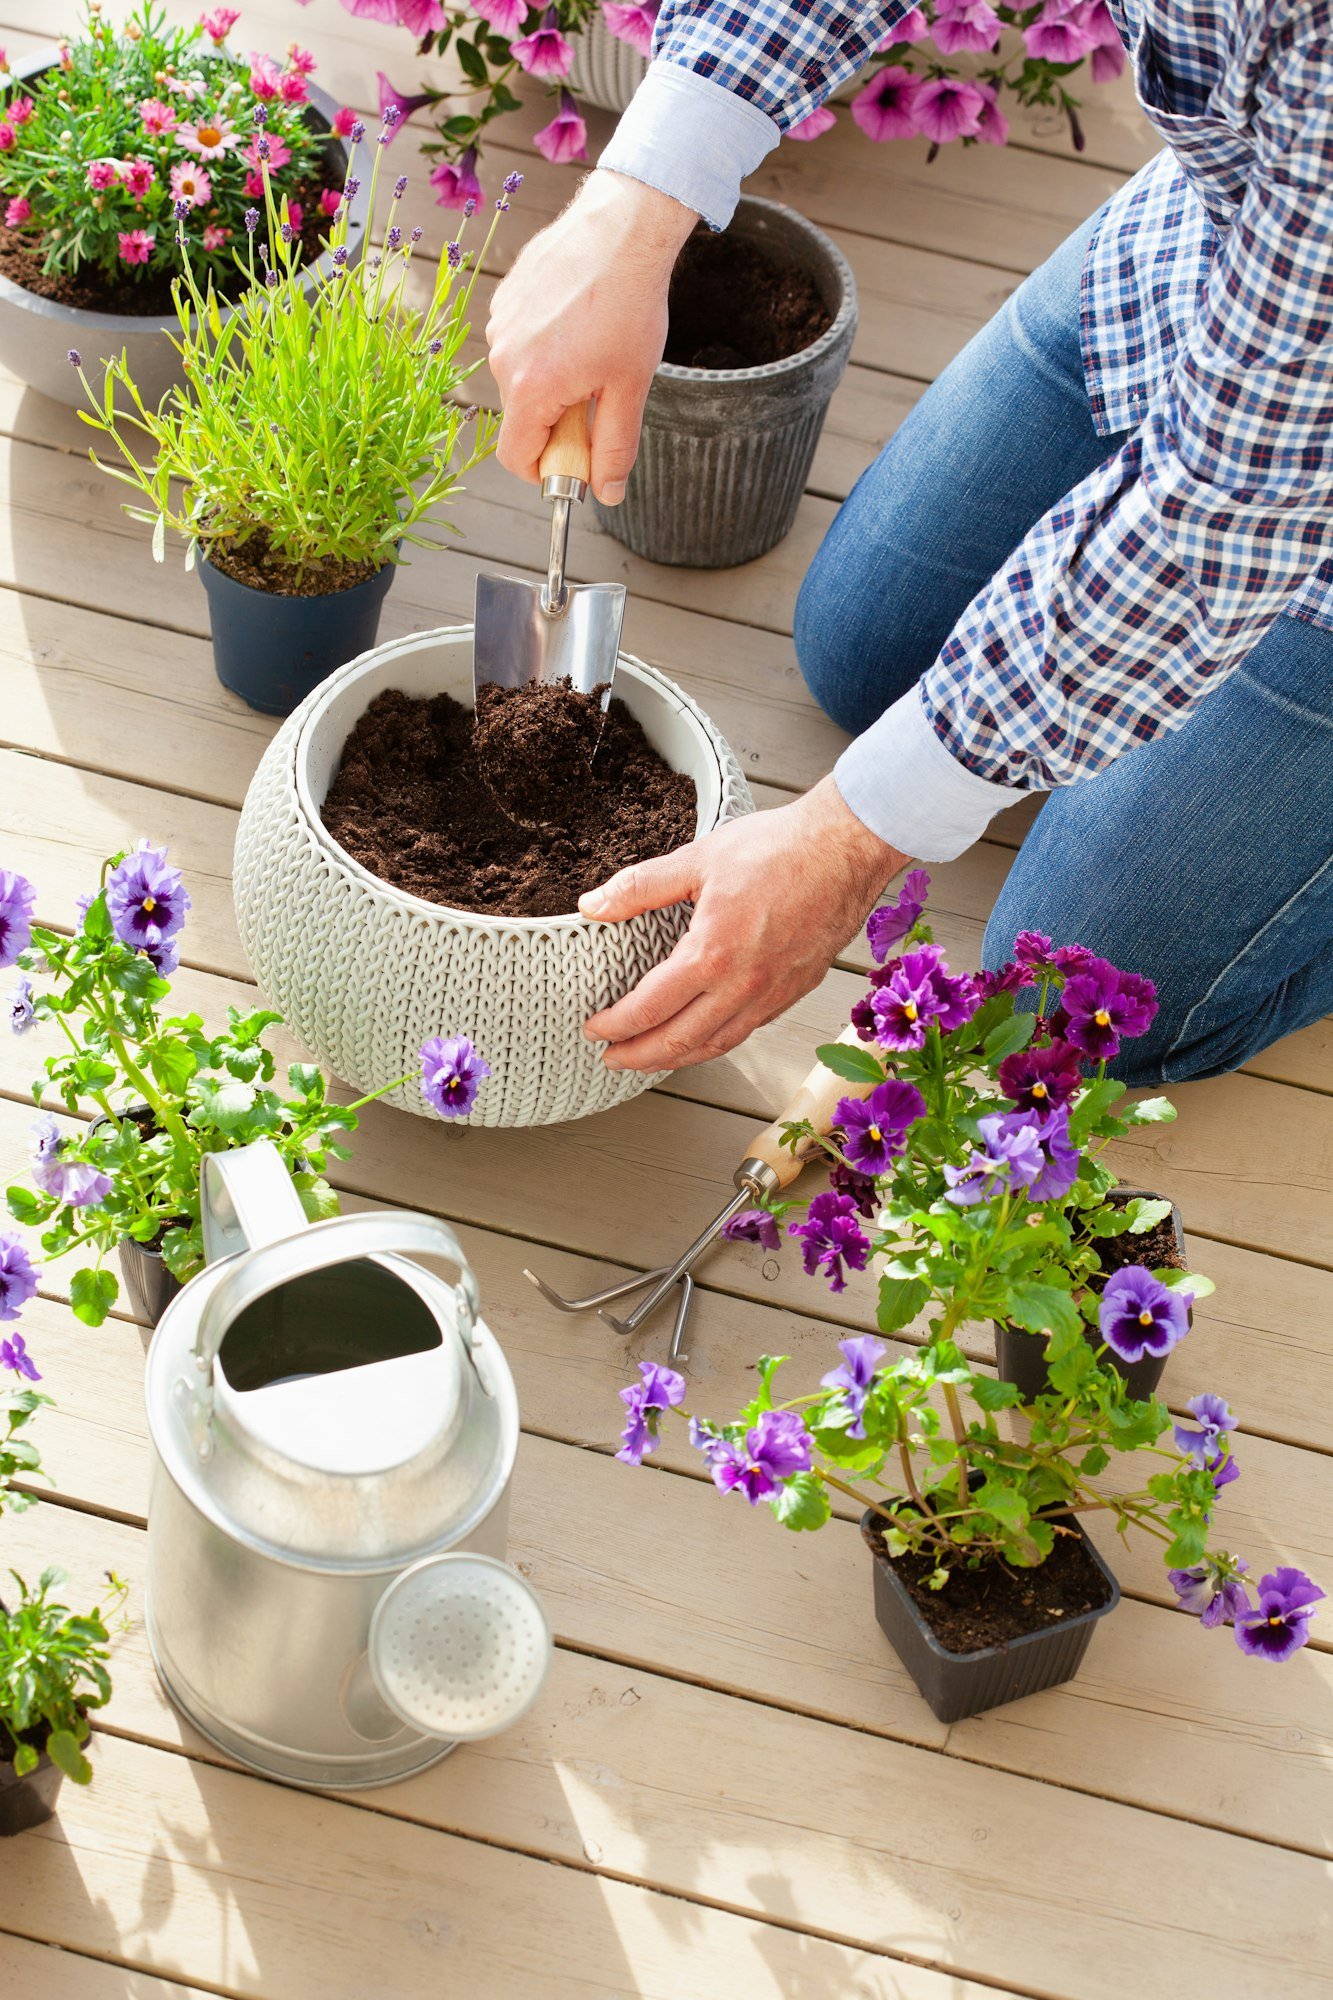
<point>272,650</point>
<point>149,1285</point>
<point>1020,1357</point>
<point>725,452</point>
<point>36,334</point>
<point>28,1801</point>
<point>959,1684</point>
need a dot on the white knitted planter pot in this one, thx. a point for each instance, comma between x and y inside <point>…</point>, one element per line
<point>607,72</point>
<point>364,973</point>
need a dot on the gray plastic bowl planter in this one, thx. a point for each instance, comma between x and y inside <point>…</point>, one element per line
<point>36,334</point>
<point>726,452</point>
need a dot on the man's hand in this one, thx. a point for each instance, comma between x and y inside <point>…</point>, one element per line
<point>583,314</point>
<point>775,896</point>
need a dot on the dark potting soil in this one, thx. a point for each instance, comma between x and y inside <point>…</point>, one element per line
<point>411,803</point>
<point>254,563</point>
<point>1155,1248</point>
<point>148,297</point>
<point>735,305</point>
<point>988,1606</point>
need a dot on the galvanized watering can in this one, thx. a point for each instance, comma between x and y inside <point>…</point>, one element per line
<point>333,1437</point>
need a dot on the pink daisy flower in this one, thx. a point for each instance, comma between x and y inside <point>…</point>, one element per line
<point>190,182</point>
<point>156,117</point>
<point>136,245</point>
<point>20,111</point>
<point>191,88</point>
<point>886,108</point>
<point>215,235</point>
<point>279,152</point>
<point>264,75</point>
<point>819,121</point>
<point>18,212</point>
<point>211,138</point>
<point>947,108</point>
<point>101,173</point>
<point>254,185</point>
<point>295,216</point>
<point>9,138</point>
<point>219,24</point>
<point>331,201</point>
<point>299,58</point>
<point>292,87</point>
<point>343,121</point>
<point>137,176</point>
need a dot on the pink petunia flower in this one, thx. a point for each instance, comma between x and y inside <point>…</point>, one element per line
<point>634,24</point>
<point>138,177</point>
<point>136,245</point>
<point>965,25</point>
<point>994,129</point>
<point>566,137</point>
<point>156,117</point>
<point>264,75</point>
<point>455,181</point>
<point>913,27</point>
<point>421,17</point>
<point>299,58</point>
<point>391,96</point>
<point>18,212</point>
<point>822,119</point>
<point>1058,34</point>
<point>215,235</point>
<point>1107,63</point>
<point>331,200</point>
<point>343,121</point>
<point>948,108</point>
<point>101,173</point>
<point>211,138</point>
<point>886,108</point>
<point>219,24</point>
<point>545,53</point>
<point>190,182</point>
<point>279,152</point>
<point>505,16</point>
<point>1108,51</point>
<point>20,111</point>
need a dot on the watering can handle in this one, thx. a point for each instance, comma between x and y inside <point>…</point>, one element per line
<point>246,1198</point>
<point>341,1239</point>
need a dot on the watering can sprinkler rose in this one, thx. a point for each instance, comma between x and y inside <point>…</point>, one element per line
<point>163,1092</point>
<point>969,1161</point>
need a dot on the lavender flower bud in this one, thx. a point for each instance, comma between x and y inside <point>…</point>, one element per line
<point>261,114</point>
<point>436,347</point>
<point>262,146</point>
<point>288,233</point>
<point>455,255</point>
<point>390,116</point>
<point>272,280</point>
<point>418,233</point>
<point>252,219</point>
<point>395,238</point>
<point>75,358</point>
<point>469,413</point>
<point>340,255</point>
<point>180,208</point>
<point>469,209</point>
<point>375,262</point>
<point>400,187</point>
<point>352,189</point>
<point>357,133</point>
<point>502,205</point>
<point>512,183</point>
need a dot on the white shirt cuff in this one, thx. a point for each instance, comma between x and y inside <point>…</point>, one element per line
<point>692,139</point>
<point>902,783</point>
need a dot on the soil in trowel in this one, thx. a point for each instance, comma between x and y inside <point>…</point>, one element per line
<point>735,305</point>
<point>413,803</point>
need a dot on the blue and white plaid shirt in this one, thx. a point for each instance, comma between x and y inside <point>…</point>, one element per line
<point>1207,333</point>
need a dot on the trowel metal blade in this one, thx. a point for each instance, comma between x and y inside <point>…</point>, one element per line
<point>516,641</point>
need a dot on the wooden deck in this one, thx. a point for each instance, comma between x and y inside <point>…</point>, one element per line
<point>729,1786</point>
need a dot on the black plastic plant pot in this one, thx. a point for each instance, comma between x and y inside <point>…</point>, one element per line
<point>1020,1357</point>
<point>273,650</point>
<point>959,1684</point>
<point>149,1285</point>
<point>28,1801</point>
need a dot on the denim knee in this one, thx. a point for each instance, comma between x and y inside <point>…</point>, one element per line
<point>822,646</point>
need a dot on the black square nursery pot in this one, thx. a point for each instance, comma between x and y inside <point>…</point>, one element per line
<point>28,1801</point>
<point>1020,1357</point>
<point>961,1684</point>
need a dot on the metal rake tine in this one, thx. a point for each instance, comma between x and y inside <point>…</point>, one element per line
<point>595,1300</point>
<point>675,1352</point>
<point>648,1305</point>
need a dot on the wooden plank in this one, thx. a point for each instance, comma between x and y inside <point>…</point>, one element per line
<point>45,1972</point>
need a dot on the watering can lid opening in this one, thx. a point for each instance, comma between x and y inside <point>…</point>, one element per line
<point>459,1646</point>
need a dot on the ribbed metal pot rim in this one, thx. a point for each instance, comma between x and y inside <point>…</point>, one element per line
<point>673,371</point>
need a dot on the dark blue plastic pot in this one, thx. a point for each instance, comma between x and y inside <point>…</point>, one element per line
<point>273,651</point>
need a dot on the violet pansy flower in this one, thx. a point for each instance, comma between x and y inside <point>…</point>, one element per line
<point>451,1074</point>
<point>18,1277</point>
<point>1041,1079</point>
<point>1139,1317</point>
<point>1214,1419</point>
<point>146,899</point>
<point>753,1225</point>
<point>875,1128</point>
<point>14,1355</point>
<point>1010,1157</point>
<point>67,1180</point>
<point>773,1451</point>
<point>18,899</point>
<point>861,1356</point>
<point>1213,1598</point>
<point>18,1007</point>
<point>1279,1624</point>
<point>886,927</point>
<point>832,1239</point>
<point>660,1389</point>
<point>1102,1006</point>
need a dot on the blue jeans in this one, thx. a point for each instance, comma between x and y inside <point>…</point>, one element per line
<point>1204,858</point>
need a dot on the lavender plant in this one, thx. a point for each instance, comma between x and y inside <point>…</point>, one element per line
<point>319,424</point>
<point>973,1169</point>
<point>95,151</point>
<point>159,1088</point>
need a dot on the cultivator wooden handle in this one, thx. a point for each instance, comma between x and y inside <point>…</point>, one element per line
<point>768,1165</point>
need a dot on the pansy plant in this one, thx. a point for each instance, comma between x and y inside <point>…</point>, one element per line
<point>151,1091</point>
<point>968,1168</point>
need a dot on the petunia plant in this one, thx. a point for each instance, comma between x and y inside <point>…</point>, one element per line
<point>154,1090</point>
<point>969,1166</point>
<point>132,118</point>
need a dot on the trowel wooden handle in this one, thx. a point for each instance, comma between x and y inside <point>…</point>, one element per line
<point>816,1100</point>
<point>569,447</point>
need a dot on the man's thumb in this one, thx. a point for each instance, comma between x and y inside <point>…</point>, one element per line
<point>649,885</point>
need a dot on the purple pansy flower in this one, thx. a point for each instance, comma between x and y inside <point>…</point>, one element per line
<point>18,1277</point>
<point>860,1189</point>
<point>1033,950</point>
<point>1224,1470</point>
<point>19,1010</point>
<point>753,1225</point>
<point>661,1389</point>
<point>1002,979</point>
<point>1041,1079</point>
<point>1279,1624</point>
<point>14,1354</point>
<point>451,1074</point>
<point>775,1450</point>
<point>875,1128</point>
<point>1103,1005</point>
<point>885,927</point>
<point>1073,958</point>
<point>861,1356</point>
<point>76,1182</point>
<point>145,899</point>
<point>831,1237</point>
<point>1214,1418</point>
<point>18,899</point>
<point>920,989</point>
<point>1009,1157</point>
<point>1138,1316</point>
<point>1212,1598</point>
<point>1059,1168</point>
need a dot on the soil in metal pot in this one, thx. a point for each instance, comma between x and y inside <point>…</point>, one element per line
<point>149,297</point>
<point>255,564</point>
<point>735,305</point>
<point>413,802</point>
<point>988,1606</point>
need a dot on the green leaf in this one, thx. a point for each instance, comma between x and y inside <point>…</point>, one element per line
<point>1092,1104</point>
<point>1141,1216</point>
<point>1093,1462</point>
<point>224,1107</point>
<point>172,1064</point>
<point>900,1300</point>
<point>1006,1503</point>
<point>63,1749</point>
<point>318,1199</point>
<point>803,1503</point>
<point>25,1760</point>
<point>25,1206</point>
<point>92,1294</point>
<point>856,1065</point>
<point>1193,1282</point>
<point>990,1395</point>
<point>1150,1111</point>
<point>183,1251</point>
<point>1011,1036</point>
<point>1044,1309</point>
<point>473,67</point>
